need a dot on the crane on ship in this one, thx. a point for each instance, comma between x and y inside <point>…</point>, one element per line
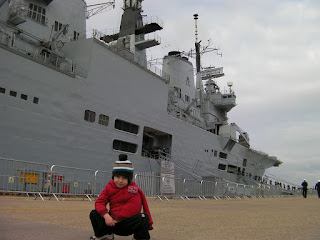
<point>99,8</point>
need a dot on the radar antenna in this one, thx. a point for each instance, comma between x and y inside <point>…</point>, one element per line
<point>199,51</point>
<point>94,9</point>
<point>230,84</point>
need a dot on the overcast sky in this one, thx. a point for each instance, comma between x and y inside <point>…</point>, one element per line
<point>271,53</point>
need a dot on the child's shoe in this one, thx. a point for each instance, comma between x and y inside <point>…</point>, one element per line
<point>107,237</point>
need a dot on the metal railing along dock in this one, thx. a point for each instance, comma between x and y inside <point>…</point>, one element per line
<point>17,176</point>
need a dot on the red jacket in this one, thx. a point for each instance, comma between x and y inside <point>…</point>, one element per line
<point>123,202</point>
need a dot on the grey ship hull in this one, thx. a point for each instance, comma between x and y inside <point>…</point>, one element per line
<point>54,131</point>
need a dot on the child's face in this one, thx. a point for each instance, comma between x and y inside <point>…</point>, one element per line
<point>120,181</point>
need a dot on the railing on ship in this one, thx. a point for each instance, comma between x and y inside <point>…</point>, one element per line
<point>23,177</point>
<point>10,38</point>
<point>142,62</point>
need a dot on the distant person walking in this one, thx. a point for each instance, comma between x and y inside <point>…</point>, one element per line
<point>304,185</point>
<point>318,188</point>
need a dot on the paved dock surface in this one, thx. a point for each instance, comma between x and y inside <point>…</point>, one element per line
<point>287,218</point>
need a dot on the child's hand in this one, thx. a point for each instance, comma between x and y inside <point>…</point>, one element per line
<point>109,220</point>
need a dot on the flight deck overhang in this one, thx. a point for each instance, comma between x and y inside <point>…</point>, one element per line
<point>150,25</point>
<point>147,41</point>
<point>110,38</point>
<point>148,28</point>
<point>274,160</point>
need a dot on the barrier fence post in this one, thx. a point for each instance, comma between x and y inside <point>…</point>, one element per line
<point>101,179</point>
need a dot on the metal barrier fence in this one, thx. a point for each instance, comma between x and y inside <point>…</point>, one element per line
<point>71,181</point>
<point>208,189</point>
<point>248,190</point>
<point>23,177</point>
<point>101,180</point>
<point>192,188</point>
<point>18,176</point>
<point>149,184</point>
<point>241,190</point>
<point>220,189</point>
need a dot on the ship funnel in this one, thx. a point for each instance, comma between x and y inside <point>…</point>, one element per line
<point>181,74</point>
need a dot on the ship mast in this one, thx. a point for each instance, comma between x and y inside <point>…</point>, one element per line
<point>197,44</point>
<point>199,86</point>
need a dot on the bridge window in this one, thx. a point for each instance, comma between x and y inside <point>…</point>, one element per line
<point>2,90</point>
<point>37,13</point>
<point>57,26</point>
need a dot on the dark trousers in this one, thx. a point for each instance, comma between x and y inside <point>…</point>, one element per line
<point>137,225</point>
<point>318,194</point>
<point>304,192</point>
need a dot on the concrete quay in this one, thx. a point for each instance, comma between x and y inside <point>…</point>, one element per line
<point>285,218</point>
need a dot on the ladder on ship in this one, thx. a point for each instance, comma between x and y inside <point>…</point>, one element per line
<point>196,169</point>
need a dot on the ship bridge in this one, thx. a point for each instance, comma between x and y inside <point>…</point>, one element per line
<point>224,101</point>
<point>19,10</point>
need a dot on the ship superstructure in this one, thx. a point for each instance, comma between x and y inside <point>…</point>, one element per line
<point>77,100</point>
